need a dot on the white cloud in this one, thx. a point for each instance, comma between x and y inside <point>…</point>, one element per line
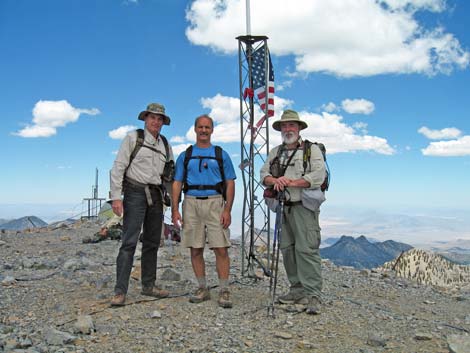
<point>431,5</point>
<point>36,131</point>
<point>283,85</point>
<point>358,106</point>
<point>338,136</point>
<point>453,148</point>
<point>49,115</point>
<point>177,139</point>
<point>121,132</point>
<point>343,38</point>
<point>226,114</point>
<point>330,107</point>
<point>447,133</point>
<point>177,149</point>
<point>360,126</point>
<point>327,128</point>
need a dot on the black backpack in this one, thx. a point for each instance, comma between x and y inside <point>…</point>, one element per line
<point>220,187</point>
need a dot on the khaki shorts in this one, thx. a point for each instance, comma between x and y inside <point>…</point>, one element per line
<point>201,223</point>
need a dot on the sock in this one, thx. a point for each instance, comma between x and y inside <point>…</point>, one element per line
<point>201,281</point>
<point>223,283</point>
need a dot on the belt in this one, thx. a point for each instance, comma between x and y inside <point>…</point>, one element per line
<point>203,197</point>
<point>292,203</point>
<point>146,187</point>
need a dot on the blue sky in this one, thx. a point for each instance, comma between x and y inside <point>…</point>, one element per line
<point>384,84</point>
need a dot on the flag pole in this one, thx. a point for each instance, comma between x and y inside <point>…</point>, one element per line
<point>253,202</point>
<point>248,18</point>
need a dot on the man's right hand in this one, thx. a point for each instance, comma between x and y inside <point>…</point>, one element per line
<point>176,218</point>
<point>117,207</point>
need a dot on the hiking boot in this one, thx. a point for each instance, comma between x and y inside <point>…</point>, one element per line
<point>200,295</point>
<point>155,292</point>
<point>118,300</point>
<point>292,297</point>
<point>224,299</point>
<point>313,306</point>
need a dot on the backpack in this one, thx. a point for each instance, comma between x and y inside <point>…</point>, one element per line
<point>168,170</point>
<point>306,160</point>
<point>220,187</point>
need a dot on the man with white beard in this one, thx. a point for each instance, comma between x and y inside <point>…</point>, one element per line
<point>300,235</point>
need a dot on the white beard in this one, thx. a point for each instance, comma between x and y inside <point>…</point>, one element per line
<point>289,137</point>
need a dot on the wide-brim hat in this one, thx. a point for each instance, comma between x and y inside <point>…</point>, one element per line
<point>289,116</point>
<point>155,108</point>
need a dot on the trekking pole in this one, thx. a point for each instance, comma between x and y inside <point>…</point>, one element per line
<point>276,252</point>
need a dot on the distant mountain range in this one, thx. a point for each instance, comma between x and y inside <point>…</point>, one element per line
<point>361,253</point>
<point>333,240</point>
<point>23,223</point>
<point>2,221</point>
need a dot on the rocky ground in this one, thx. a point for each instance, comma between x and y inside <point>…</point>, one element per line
<point>55,291</point>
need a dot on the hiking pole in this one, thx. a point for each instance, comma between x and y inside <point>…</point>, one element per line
<point>276,253</point>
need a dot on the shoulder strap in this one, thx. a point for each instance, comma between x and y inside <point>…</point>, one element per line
<point>167,147</point>
<point>138,144</point>
<point>220,161</point>
<point>187,157</point>
<point>307,153</point>
<point>290,158</point>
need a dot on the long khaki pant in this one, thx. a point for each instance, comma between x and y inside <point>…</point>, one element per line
<point>300,243</point>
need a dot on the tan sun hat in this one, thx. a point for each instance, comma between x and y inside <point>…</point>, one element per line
<point>155,108</point>
<point>289,116</point>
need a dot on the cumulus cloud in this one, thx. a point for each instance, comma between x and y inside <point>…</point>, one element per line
<point>326,127</point>
<point>453,148</point>
<point>177,149</point>
<point>350,38</point>
<point>447,133</point>
<point>177,139</point>
<point>431,5</point>
<point>337,135</point>
<point>361,126</point>
<point>358,106</point>
<point>50,115</point>
<point>330,107</point>
<point>121,132</point>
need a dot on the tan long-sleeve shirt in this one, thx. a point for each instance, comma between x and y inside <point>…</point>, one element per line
<point>314,174</point>
<point>146,167</point>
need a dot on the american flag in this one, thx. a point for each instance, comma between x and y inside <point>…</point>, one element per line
<point>259,80</point>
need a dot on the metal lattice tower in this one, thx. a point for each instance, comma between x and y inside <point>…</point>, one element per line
<point>94,202</point>
<point>256,237</point>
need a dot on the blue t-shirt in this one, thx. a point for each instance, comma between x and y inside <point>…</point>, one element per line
<point>204,171</point>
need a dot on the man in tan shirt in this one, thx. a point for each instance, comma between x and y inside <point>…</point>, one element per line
<point>300,236</point>
<point>139,178</point>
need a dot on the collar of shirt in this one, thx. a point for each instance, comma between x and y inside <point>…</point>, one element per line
<point>150,139</point>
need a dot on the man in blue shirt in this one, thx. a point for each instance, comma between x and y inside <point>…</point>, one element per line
<point>206,211</point>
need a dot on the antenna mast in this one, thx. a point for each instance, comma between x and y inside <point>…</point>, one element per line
<point>94,200</point>
<point>254,150</point>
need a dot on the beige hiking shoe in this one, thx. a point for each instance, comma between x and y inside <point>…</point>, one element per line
<point>155,292</point>
<point>200,295</point>
<point>293,297</point>
<point>313,306</point>
<point>224,299</point>
<point>118,300</point>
